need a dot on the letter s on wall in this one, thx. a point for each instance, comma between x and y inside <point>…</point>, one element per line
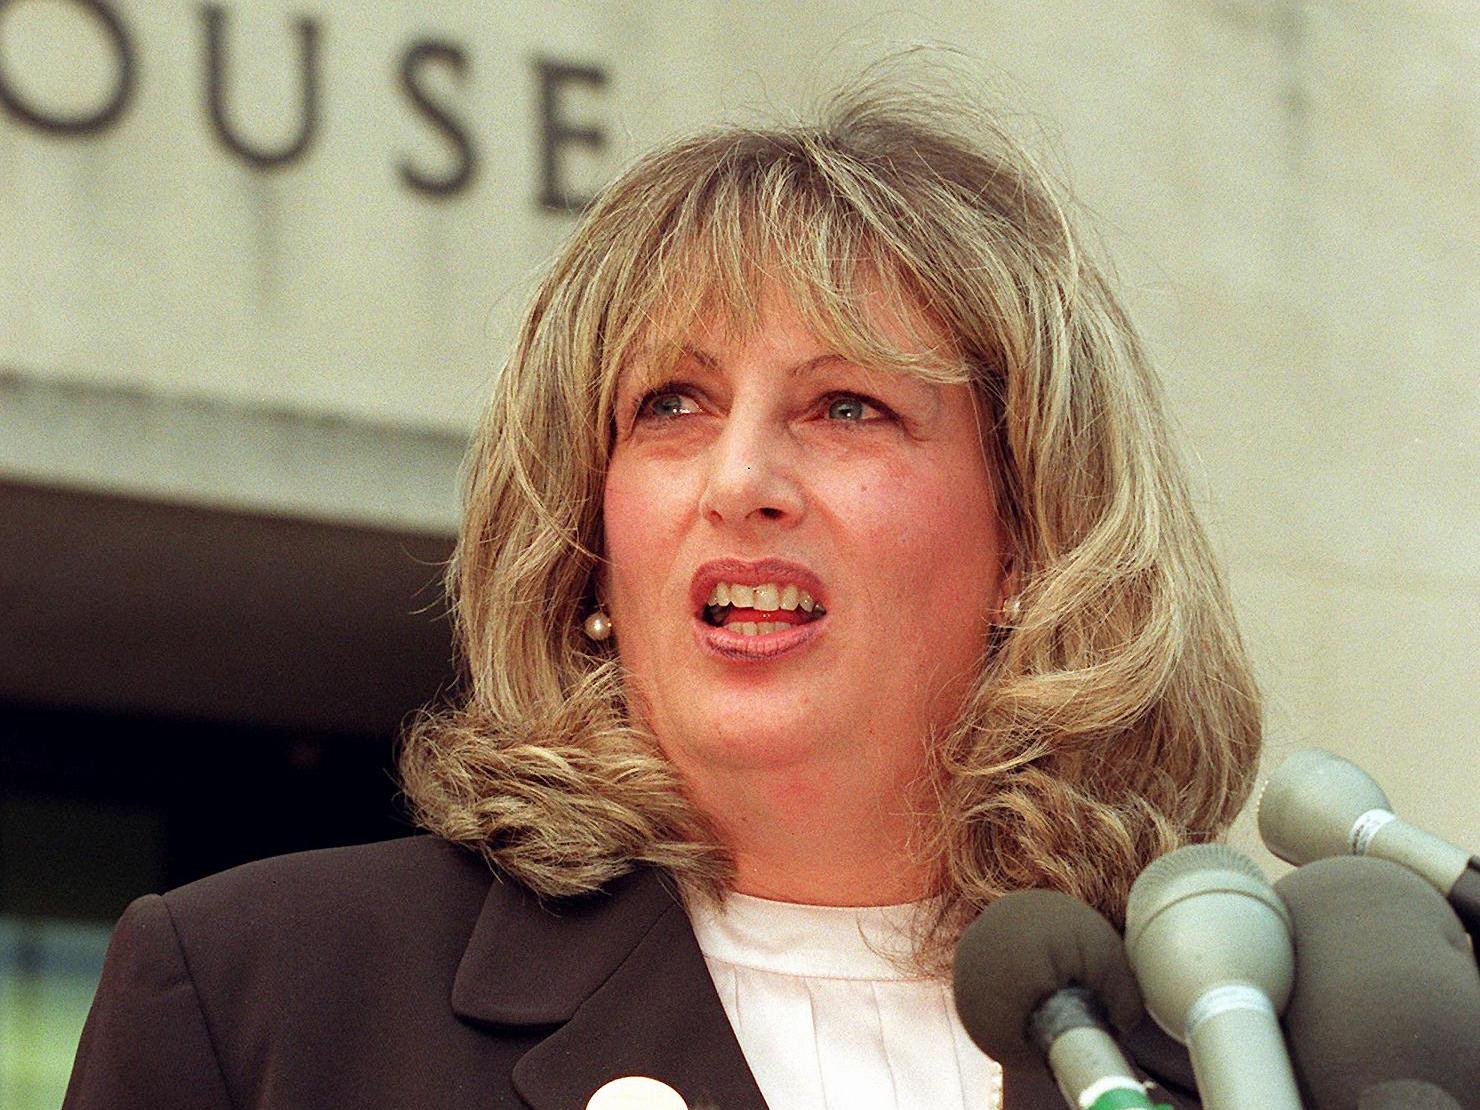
<point>417,56</point>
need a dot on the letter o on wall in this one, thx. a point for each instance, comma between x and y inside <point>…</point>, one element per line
<point>111,108</point>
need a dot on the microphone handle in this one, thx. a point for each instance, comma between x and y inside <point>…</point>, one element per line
<point>1071,1030</point>
<point>1238,1053</point>
<point>1092,1072</point>
<point>1464,898</point>
<point>1378,833</point>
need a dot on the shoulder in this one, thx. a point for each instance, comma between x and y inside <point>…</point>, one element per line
<point>410,877</point>
<point>317,916</point>
<point>243,983</point>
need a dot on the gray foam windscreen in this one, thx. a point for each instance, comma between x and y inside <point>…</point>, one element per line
<point>1386,986</point>
<point>1026,946</point>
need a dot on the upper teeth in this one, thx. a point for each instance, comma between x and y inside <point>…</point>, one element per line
<point>767,597</point>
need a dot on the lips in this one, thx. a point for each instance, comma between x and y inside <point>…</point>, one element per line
<point>736,647</point>
<point>718,629</point>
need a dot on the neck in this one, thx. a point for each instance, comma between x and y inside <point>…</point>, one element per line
<point>804,835</point>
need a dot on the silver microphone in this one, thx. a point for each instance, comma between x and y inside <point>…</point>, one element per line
<point>1212,946</point>
<point>1317,805</point>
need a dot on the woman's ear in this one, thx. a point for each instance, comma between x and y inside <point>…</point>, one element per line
<point>1008,585</point>
<point>601,582</point>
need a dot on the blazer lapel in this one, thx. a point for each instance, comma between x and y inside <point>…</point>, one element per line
<point>621,977</point>
<point>658,1015</point>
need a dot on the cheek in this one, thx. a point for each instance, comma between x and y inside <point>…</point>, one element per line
<point>638,514</point>
<point>938,548</point>
<point>623,515</point>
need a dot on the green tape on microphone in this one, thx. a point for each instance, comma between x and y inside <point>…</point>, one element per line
<point>1124,1098</point>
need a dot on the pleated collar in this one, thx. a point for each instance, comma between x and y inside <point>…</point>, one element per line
<point>871,943</point>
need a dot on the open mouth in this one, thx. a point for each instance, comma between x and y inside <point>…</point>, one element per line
<point>760,609</point>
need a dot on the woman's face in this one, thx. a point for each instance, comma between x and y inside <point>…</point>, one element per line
<point>769,463</point>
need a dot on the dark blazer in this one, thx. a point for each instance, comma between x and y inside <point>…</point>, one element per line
<point>407,974</point>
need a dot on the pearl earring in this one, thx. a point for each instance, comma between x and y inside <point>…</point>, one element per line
<point>599,626</point>
<point>1012,610</point>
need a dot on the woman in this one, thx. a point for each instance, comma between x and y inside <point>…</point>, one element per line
<point>825,573</point>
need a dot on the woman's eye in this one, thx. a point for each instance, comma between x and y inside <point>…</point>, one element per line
<point>847,407</point>
<point>665,403</point>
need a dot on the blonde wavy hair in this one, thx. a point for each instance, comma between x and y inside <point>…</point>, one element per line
<point>1116,718</point>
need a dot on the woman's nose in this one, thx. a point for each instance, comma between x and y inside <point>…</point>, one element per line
<point>751,478</point>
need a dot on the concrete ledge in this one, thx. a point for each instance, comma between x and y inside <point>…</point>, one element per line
<point>199,451</point>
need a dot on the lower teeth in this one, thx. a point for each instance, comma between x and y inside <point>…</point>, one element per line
<point>756,628</point>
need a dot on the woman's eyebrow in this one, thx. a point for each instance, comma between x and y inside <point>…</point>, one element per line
<point>805,366</point>
<point>703,358</point>
<point>653,364</point>
<point>651,370</point>
<point>817,362</point>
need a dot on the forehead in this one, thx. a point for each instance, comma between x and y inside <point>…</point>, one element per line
<point>884,335</point>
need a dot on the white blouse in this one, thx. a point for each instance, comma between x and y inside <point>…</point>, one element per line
<point>827,1020</point>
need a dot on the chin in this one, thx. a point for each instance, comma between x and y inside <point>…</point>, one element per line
<point>744,738</point>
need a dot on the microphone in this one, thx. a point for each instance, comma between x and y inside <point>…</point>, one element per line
<point>1386,992</point>
<point>1317,804</point>
<point>1042,975</point>
<point>1210,942</point>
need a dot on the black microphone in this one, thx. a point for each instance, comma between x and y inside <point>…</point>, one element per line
<point>1386,988</point>
<point>1042,976</point>
<point>1317,805</point>
<point>1406,1094</point>
<point>1211,946</point>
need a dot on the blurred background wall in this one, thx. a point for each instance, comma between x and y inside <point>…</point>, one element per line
<point>259,258</point>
